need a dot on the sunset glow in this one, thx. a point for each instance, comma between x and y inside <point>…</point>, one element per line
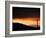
<point>27,21</point>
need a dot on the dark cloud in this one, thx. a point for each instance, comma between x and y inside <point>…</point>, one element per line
<point>22,12</point>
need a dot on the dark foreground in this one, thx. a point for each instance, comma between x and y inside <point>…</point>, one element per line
<point>21,27</point>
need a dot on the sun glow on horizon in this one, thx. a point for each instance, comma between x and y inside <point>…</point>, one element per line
<point>27,21</point>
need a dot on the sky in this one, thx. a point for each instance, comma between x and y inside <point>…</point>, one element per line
<point>24,12</point>
<point>27,16</point>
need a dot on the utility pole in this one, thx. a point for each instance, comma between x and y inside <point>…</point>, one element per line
<point>37,23</point>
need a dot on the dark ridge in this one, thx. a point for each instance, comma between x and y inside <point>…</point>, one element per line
<point>21,27</point>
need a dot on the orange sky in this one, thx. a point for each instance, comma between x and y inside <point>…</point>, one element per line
<point>27,21</point>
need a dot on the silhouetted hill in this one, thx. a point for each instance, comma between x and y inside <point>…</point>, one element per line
<point>19,26</point>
